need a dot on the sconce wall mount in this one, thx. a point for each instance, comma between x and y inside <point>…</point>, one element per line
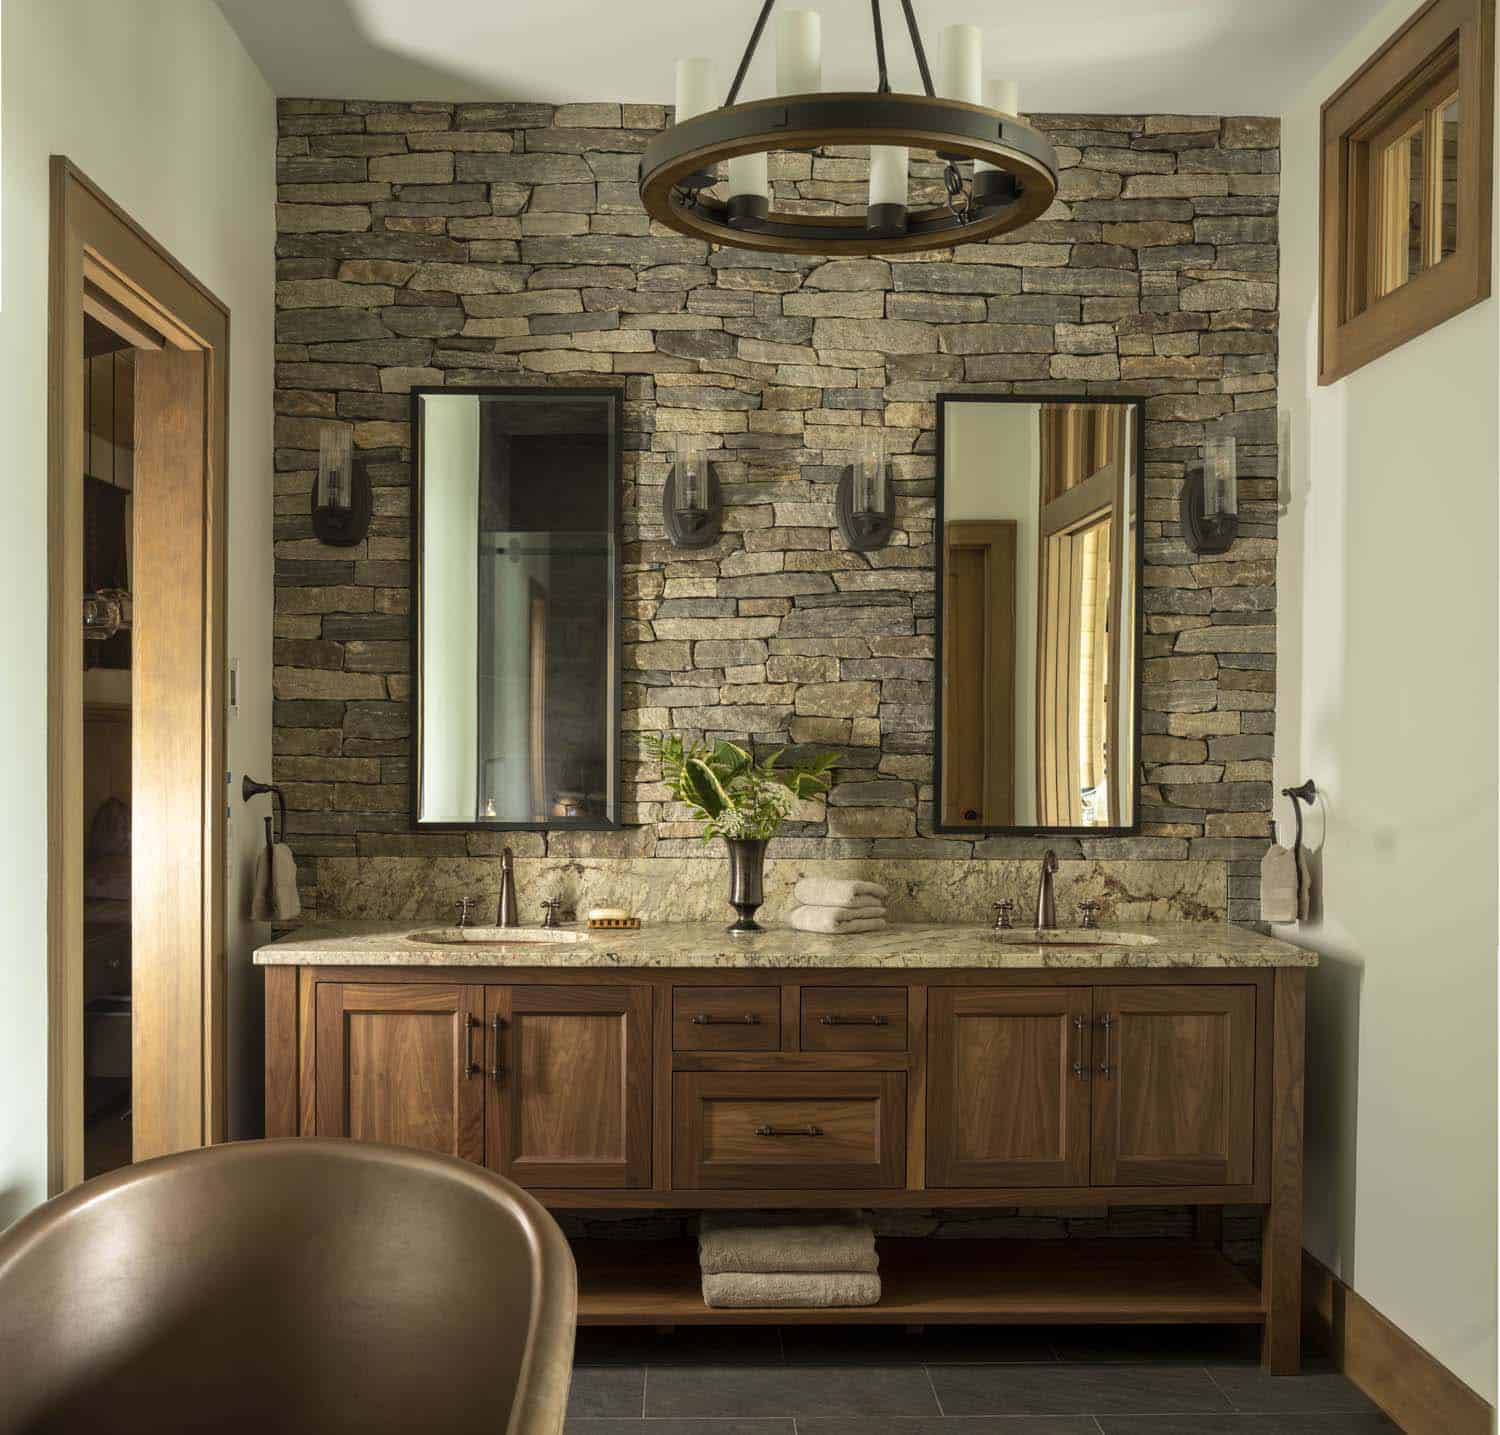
<point>692,506</point>
<point>342,502</point>
<point>1209,506</point>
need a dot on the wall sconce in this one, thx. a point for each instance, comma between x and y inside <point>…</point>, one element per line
<point>1210,499</point>
<point>341,502</point>
<point>866,507</point>
<point>691,506</point>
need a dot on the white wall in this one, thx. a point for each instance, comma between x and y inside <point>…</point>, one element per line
<point>1387,638</point>
<point>158,103</point>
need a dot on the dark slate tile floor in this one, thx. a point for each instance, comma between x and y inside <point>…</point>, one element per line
<point>951,1381</point>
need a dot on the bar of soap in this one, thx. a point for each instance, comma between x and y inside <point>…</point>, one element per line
<point>607,914</point>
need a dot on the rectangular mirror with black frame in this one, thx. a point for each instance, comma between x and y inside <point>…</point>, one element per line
<point>516,593</point>
<point>1039,626</point>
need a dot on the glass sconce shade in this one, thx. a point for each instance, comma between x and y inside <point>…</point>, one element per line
<point>864,506</point>
<point>335,467</point>
<point>1220,491</point>
<point>1209,508</point>
<point>691,507</point>
<point>341,502</point>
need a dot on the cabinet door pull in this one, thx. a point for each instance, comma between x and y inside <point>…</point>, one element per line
<point>496,1070</point>
<point>1080,1066</point>
<point>788,1130</point>
<point>1106,1024</point>
<point>853,1020</point>
<point>749,1019</point>
<point>471,1067</point>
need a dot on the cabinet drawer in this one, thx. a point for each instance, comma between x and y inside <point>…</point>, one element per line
<point>726,1018</point>
<point>789,1131</point>
<point>854,1019</point>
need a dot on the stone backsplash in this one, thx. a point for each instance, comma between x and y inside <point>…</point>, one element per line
<point>504,243</point>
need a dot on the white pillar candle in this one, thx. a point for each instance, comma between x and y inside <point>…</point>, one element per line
<point>888,165</point>
<point>799,52</point>
<point>962,66</point>
<point>1005,96</point>
<point>694,88</point>
<point>747,175</point>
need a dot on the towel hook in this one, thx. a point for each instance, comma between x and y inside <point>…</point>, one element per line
<point>1307,793</point>
<point>251,788</point>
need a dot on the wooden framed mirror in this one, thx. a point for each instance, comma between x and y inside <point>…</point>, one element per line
<point>1039,615</point>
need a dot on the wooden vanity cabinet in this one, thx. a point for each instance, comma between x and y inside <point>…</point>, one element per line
<point>674,1089</point>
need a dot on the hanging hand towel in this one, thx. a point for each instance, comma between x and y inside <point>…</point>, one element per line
<point>1284,885</point>
<point>275,896</point>
<point>837,892</point>
<point>838,921</point>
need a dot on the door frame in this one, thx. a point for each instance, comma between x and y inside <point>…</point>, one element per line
<point>132,280</point>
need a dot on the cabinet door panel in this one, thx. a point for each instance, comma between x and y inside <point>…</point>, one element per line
<point>1008,1088</point>
<point>397,1062</point>
<point>1174,1086</point>
<point>570,1085</point>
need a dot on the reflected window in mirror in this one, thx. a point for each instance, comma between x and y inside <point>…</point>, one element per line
<point>1039,558</point>
<point>516,574</point>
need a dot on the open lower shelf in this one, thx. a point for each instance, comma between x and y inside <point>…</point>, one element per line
<point>928,1282</point>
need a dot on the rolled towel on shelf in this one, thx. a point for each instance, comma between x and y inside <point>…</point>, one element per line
<point>838,921</point>
<point>790,1243</point>
<point>748,1289</point>
<point>838,892</point>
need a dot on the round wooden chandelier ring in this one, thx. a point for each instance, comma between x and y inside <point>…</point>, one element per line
<point>805,122</point>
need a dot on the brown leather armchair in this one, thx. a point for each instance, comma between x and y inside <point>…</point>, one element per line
<point>289,1286</point>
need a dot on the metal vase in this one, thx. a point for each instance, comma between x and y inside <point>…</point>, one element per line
<point>747,870</point>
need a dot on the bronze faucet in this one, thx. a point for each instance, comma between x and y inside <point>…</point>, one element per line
<point>507,915</point>
<point>1046,903</point>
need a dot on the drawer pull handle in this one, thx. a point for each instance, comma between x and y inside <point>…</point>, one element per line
<point>749,1019</point>
<point>788,1130</point>
<point>853,1020</point>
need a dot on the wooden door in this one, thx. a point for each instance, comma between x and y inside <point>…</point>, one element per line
<point>979,666</point>
<point>1008,1086</point>
<point>171,877</point>
<point>570,1090</point>
<point>400,1062</point>
<point>1174,1078</point>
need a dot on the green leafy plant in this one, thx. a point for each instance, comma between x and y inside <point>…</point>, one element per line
<point>736,795</point>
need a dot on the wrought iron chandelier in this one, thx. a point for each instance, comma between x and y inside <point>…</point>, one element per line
<point>1012,180</point>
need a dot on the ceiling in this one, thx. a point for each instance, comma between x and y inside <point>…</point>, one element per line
<point>1099,56</point>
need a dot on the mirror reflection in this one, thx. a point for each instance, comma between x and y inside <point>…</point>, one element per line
<point>1039,552</point>
<point>517,698</point>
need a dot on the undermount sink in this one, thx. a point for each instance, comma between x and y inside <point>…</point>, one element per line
<point>1071,937</point>
<point>494,936</point>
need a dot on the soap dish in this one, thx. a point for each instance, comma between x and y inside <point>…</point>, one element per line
<point>614,924</point>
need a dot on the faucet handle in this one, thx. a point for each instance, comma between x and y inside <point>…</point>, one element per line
<point>1088,915</point>
<point>551,905</point>
<point>1002,915</point>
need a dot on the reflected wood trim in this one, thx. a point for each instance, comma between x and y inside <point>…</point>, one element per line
<point>679,1198</point>
<point>1412,1386</point>
<point>979,696</point>
<point>90,234</point>
<point>307,1039</point>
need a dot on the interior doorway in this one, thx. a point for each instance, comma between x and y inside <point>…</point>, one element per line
<point>138,397</point>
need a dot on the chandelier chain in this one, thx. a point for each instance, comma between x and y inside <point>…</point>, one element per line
<point>883,82</point>
<point>916,44</point>
<point>755,34</point>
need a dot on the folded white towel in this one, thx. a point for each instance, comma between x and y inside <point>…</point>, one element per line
<point>837,891</point>
<point>838,920</point>
<point>274,897</point>
<point>749,1289</point>
<point>789,1242</point>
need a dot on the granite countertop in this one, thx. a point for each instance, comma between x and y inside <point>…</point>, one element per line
<point>688,945</point>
